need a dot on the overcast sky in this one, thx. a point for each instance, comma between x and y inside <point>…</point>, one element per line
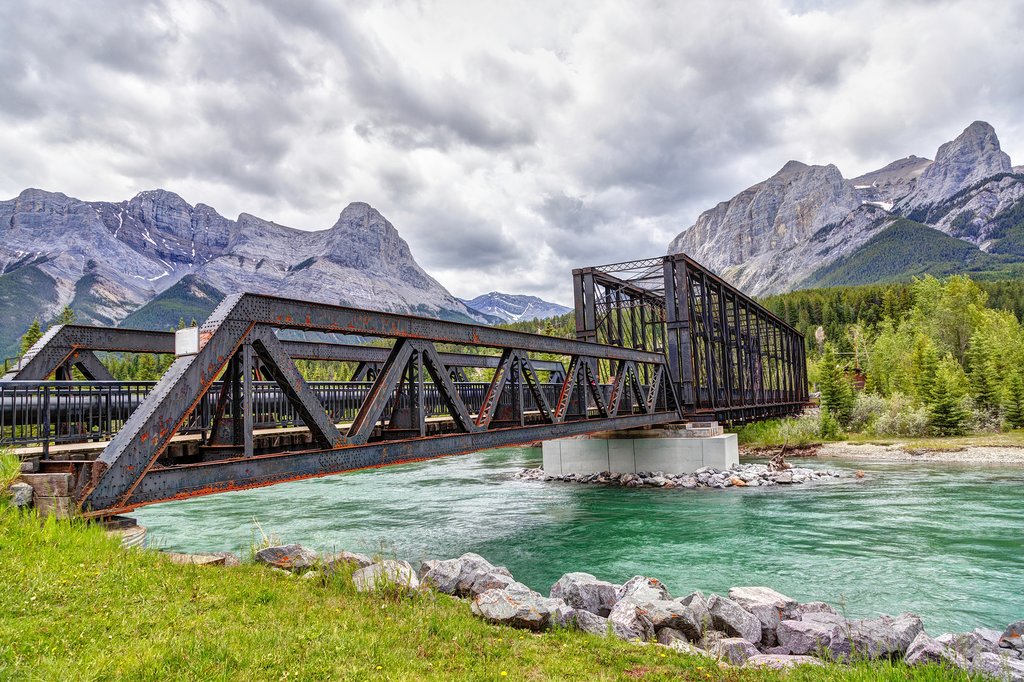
<point>507,141</point>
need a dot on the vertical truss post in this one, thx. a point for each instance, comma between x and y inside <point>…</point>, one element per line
<point>247,402</point>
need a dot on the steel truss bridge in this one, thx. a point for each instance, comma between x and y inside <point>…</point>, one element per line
<point>658,341</point>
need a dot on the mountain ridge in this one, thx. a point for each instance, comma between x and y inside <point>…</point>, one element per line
<point>109,259</point>
<point>515,307</point>
<point>775,235</point>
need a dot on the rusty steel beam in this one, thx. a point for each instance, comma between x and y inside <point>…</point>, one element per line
<point>65,345</point>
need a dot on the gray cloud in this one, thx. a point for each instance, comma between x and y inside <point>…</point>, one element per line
<point>508,142</point>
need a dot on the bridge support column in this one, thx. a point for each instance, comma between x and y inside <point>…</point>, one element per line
<point>674,449</point>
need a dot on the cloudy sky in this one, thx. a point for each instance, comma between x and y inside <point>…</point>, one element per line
<point>507,141</point>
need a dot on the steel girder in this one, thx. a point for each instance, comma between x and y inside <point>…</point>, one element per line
<point>127,473</point>
<point>64,346</point>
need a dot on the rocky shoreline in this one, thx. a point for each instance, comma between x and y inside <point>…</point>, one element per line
<point>740,476</point>
<point>751,627</point>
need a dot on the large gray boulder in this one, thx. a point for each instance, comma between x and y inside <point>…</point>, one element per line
<point>779,661</point>
<point>664,613</point>
<point>883,637</point>
<point>518,606</point>
<point>584,591</point>
<point>733,619</point>
<point>925,650</point>
<point>643,589</point>
<point>699,605</point>
<point>294,557</point>
<point>336,560</point>
<point>969,644</point>
<point>734,650</point>
<point>385,576</point>
<point>996,667</point>
<point>813,607</point>
<point>1013,636</point>
<point>770,607</point>
<point>467,576</point>
<point>815,635</point>
<point>591,623</point>
<point>629,622</point>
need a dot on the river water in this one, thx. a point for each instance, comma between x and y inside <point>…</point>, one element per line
<point>943,541</point>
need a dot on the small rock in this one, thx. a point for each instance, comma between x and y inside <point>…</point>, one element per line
<point>730,617</point>
<point>735,650</point>
<point>294,558</point>
<point>782,477</point>
<point>709,638</point>
<point>584,591</point>
<point>387,575</point>
<point>685,647</point>
<point>779,661</point>
<point>21,495</point>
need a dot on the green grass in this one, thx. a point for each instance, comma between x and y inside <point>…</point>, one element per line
<point>76,606</point>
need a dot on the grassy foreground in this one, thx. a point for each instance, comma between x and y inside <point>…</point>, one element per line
<point>76,606</point>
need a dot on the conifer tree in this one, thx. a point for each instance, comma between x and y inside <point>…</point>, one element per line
<point>924,362</point>
<point>1013,401</point>
<point>981,372</point>
<point>32,334</point>
<point>67,316</point>
<point>836,391</point>
<point>946,416</point>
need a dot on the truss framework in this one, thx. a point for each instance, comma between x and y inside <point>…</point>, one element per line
<point>134,468</point>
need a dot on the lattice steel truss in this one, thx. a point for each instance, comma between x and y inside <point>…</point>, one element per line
<point>391,423</point>
<point>729,357</point>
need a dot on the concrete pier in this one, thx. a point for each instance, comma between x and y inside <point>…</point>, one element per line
<point>673,450</point>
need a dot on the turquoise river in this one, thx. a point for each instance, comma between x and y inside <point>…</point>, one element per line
<point>945,542</point>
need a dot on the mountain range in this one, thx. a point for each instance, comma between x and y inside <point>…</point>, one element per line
<point>155,258</point>
<point>809,226</point>
<point>515,308</point>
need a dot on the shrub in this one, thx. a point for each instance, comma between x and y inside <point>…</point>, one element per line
<point>867,408</point>
<point>901,417</point>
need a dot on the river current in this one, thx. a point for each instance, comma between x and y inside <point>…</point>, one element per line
<point>943,541</point>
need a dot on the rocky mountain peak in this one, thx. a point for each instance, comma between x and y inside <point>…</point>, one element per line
<point>974,155</point>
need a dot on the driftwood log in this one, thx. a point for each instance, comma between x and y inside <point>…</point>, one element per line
<point>778,462</point>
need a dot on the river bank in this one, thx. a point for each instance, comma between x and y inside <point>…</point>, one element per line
<point>980,451</point>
